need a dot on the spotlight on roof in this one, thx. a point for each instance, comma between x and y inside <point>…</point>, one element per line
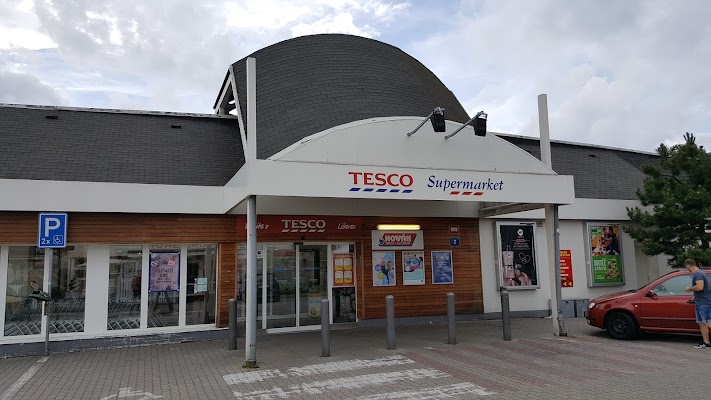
<point>437,119</point>
<point>478,122</point>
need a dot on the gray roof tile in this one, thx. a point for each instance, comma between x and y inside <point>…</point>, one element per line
<point>117,147</point>
<point>312,83</point>
<point>599,173</point>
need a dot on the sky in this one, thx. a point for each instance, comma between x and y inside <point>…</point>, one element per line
<point>629,74</point>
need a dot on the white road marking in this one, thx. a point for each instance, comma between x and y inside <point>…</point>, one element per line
<point>348,365</point>
<point>126,392</point>
<point>439,392</point>
<point>560,339</point>
<point>253,376</point>
<point>314,369</point>
<point>351,382</point>
<point>15,387</point>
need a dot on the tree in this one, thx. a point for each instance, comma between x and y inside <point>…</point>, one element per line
<point>677,198</point>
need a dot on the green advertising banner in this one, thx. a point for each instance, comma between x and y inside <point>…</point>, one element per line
<point>606,255</point>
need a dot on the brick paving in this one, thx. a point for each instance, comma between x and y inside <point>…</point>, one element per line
<point>534,365</point>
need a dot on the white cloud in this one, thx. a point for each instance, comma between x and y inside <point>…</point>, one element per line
<point>341,23</point>
<point>629,74</point>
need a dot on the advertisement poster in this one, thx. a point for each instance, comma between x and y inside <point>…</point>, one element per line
<point>413,267</point>
<point>343,270</point>
<point>517,255</point>
<point>442,267</point>
<point>384,268</point>
<point>605,255</point>
<point>566,269</point>
<point>164,272</point>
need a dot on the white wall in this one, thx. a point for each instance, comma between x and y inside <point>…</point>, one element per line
<point>360,207</point>
<point>572,237</point>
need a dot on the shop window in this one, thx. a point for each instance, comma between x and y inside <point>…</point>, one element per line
<point>343,296</point>
<point>68,289</point>
<point>124,306</point>
<point>25,275</point>
<point>164,286</point>
<point>201,284</point>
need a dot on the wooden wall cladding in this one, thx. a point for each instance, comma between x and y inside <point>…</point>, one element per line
<point>427,299</point>
<point>227,282</point>
<point>411,301</point>
<point>114,228</point>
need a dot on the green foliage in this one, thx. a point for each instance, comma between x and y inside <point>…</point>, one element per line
<point>677,198</point>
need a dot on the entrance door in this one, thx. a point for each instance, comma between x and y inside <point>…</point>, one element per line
<point>278,287</point>
<point>295,280</point>
<point>313,283</point>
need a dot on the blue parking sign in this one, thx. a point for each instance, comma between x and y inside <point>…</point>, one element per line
<point>52,230</point>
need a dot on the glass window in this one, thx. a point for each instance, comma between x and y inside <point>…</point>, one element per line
<point>344,298</point>
<point>25,275</point>
<point>124,306</point>
<point>68,289</point>
<point>164,286</point>
<point>674,286</point>
<point>201,284</point>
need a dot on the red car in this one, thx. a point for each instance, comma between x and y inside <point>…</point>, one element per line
<point>660,306</point>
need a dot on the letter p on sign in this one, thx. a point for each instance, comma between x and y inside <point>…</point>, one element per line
<point>52,230</point>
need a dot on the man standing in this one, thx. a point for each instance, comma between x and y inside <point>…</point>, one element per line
<point>702,300</point>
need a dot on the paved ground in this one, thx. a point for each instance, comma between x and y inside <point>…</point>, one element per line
<point>535,365</point>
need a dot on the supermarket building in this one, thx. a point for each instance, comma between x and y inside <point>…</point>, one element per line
<point>349,206</point>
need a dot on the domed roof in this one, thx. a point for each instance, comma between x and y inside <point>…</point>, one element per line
<point>312,83</point>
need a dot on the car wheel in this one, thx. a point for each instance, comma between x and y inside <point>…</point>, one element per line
<point>621,326</point>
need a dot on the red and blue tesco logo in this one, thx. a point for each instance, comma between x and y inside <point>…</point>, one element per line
<point>380,182</point>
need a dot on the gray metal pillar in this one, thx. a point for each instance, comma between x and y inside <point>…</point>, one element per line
<point>325,330</point>
<point>232,343</point>
<point>250,348</point>
<point>451,323</point>
<point>390,316</point>
<point>558,285</point>
<point>505,313</point>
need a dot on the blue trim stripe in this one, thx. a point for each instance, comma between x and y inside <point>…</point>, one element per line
<point>380,190</point>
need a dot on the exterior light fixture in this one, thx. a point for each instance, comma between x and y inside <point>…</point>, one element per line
<point>437,119</point>
<point>478,122</point>
<point>398,227</point>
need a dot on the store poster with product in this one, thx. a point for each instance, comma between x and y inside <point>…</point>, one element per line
<point>164,272</point>
<point>384,268</point>
<point>605,255</point>
<point>343,270</point>
<point>442,268</point>
<point>517,255</point>
<point>413,267</point>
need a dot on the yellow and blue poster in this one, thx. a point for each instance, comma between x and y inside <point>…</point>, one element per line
<point>384,268</point>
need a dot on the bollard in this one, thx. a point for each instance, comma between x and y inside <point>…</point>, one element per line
<point>505,313</point>
<point>325,330</point>
<point>451,323</point>
<point>390,316</point>
<point>232,344</point>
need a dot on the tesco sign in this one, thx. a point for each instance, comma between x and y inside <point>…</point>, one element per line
<point>381,179</point>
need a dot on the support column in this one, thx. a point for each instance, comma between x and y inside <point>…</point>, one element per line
<point>551,212</point>
<point>250,347</point>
